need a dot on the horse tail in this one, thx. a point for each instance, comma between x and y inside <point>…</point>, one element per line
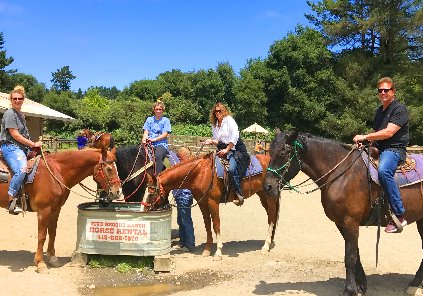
<point>277,218</point>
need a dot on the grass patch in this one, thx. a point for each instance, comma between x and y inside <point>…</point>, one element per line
<point>123,264</point>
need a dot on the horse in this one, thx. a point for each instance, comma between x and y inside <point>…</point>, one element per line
<point>130,161</point>
<point>347,195</point>
<point>48,192</point>
<point>100,140</point>
<point>197,174</point>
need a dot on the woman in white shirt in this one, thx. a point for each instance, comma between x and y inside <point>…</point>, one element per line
<point>229,145</point>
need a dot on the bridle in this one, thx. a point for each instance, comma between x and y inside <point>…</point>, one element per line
<point>280,172</point>
<point>101,176</point>
<point>283,184</point>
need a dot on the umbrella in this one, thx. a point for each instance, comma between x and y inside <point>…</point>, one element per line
<point>255,128</point>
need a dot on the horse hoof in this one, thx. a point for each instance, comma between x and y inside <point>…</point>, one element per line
<point>415,291</point>
<point>53,261</point>
<point>42,269</point>
<point>206,253</point>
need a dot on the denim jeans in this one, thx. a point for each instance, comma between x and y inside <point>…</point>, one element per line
<point>183,198</point>
<point>16,159</point>
<point>388,162</point>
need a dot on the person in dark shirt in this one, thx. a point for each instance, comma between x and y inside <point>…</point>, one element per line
<point>391,137</point>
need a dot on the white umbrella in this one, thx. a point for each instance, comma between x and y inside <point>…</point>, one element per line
<point>255,128</point>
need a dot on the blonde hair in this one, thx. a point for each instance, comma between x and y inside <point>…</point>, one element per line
<point>18,89</point>
<point>159,104</point>
<point>225,112</point>
<point>386,80</point>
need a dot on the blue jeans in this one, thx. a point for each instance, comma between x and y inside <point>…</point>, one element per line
<point>183,198</point>
<point>16,159</point>
<point>388,162</point>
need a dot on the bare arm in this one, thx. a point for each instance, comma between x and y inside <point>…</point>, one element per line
<point>21,139</point>
<point>383,134</point>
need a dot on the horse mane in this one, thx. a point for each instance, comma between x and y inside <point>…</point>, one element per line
<point>324,141</point>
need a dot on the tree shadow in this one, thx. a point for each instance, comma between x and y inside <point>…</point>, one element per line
<point>390,284</point>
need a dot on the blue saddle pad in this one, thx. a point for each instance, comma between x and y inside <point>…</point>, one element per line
<point>253,169</point>
<point>410,177</point>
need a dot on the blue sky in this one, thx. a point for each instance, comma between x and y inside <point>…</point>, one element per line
<point>116,42</point>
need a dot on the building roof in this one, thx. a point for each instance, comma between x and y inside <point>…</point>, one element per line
<point>34,109</point>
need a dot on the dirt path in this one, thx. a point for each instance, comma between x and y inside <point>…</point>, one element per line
<point>307,258</point>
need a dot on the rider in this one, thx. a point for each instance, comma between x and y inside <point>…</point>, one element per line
<point>15,143</point>
<point>391,137</point>
<point>229,145</point>
<point>156,129</point>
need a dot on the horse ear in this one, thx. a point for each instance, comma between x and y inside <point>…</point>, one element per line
<point>114,149</point>
<point>277,131</point>
<point>292,135</point>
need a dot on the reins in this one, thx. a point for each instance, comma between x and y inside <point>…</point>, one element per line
<point>294,187</point>
<point>61,183</point>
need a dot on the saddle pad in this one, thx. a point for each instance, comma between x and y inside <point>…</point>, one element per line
<point>253,169</point>
<point>171,159</point>
<point>410,177</point>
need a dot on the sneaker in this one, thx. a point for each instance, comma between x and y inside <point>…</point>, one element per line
<point>17,210</point>
<point>392,228</point>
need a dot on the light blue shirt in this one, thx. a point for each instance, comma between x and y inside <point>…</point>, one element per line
<point>157,127</point>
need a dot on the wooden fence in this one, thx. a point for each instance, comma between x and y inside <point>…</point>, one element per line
<point>194,143</point>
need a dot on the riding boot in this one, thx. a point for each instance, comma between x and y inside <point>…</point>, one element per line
<point>236,182</point>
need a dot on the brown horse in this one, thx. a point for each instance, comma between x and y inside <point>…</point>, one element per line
<point>347,195</point>
<point>51,187</point>
<point>197,174</point>
<point>100,140</point>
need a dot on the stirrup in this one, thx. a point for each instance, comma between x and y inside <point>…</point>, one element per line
<point>12,206</point>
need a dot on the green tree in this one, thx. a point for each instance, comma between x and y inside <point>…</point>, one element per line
<point>34,90</point>
<point>62,79</point>
<point>94,111</point>
<point>249,101</point>
<point>5,84</point>
<point>228,77</point>
<point>390,29</point>
<point>148,90</point>
<point>176,82</point>
<point>63,102</point>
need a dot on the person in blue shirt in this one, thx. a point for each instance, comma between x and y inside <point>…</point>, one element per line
<point>82,140</point>
<point>184,199</point>
<point>156,130</point>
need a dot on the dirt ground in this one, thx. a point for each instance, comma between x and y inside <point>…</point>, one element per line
<point>306,260</point>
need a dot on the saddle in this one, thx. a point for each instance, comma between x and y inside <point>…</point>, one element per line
<point>222,165</point>
<point>408,165</point>
<point>409,173</point>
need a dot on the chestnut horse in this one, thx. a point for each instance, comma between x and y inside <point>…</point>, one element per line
<point>347,194</point>
<point>100,139</point>
<point>55,175</point>
<point>197,174</point>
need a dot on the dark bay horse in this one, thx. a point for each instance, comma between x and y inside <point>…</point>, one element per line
<point>99,140</point>
<point>347,200</point>
<point>56,174</point>
<point>197,174</point>
<point>130,163</point>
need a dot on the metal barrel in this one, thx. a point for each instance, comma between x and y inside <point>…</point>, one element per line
<point>122,229</point>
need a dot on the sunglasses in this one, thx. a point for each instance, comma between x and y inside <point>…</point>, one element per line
<point>383,90</point>
<point>17,99</point>
<point>217,111</point>
<point>158,109</point>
